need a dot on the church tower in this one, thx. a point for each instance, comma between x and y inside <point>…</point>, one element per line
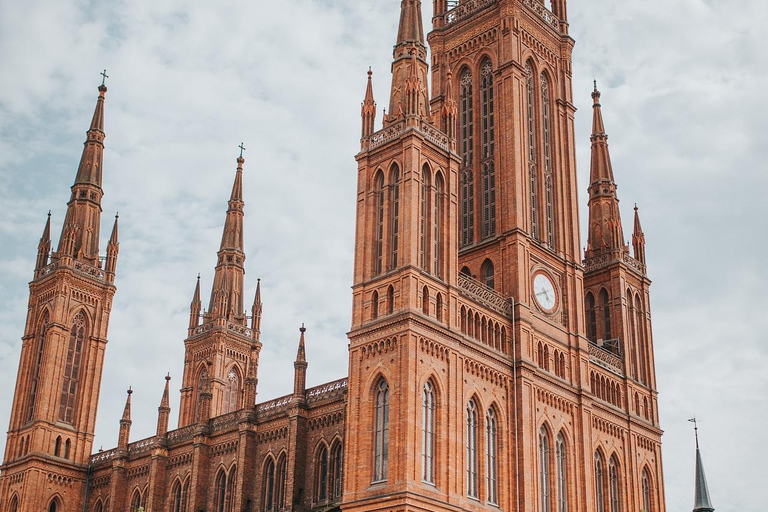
<point>57,388</point>
<point>222,353</point>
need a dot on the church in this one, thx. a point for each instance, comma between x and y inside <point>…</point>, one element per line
<point>492,364</point>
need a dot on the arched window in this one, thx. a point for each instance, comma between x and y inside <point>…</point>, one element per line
<point>178,497</point>
<point>589,304</point>
<point>381,435</point>
<point>231,490</point>
<point>465,271</point>
<point>67,446</point>
<point>394,209</point>
<point>561,474</point>
<point>437,209</point>
<point>488,165</point>
<point>232,393</point>
<point>425,210</point>
<point>220,492</point>
<point>54,506</point>
<point>472,449</point>
<point>280,479</point>
<point>633,350</point>
<point>599,483</point>
<point>606,311</point>
<point>642,342</point>
<point>15,504</point>
<point>487,271</point>
<point>439,307</point>
<point>533,172</point>
<point>425,301</point>
<point>57,447</point>
<point>544,479</point>
<point>390,299</point>
<point>378,263</point>
<point>42,332</point>
<point>269,485</point>
<point>99,507</point>
<point>540,355</point>
<point>74,356</point>
<point>647,503</point>
<point>491,457</point>
<point>546,357</point>
<point>202,387</point>
<point>375,305</point>
<point>547,129</point>
<point>613,473</point>
<point>321,475</point>
<point>136,500</point>
<point>466,143</point>
<point>428,433</point>
<point>337,464</point>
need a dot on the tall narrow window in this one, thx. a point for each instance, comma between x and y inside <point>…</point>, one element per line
<point>42,332</point>
<point>547,128</point>
<point>337,464</point>
<point>613,474</point>
<point>390,299</point>
<point>544,481</point>
<point>428,434</point>
<point>378,263</point>
<point>488,277</point>
<point>466,120</point>
<point>184,496</point>
<point>74,356</point>
<point>98,508</point>
<point>381,439</point>
<point>269,486</point>
<point>599,483</point>
<point>57,447</point>
<point>229,501</point>
<point>425,301</point>
<point>606,312</point>
<point>202,386</point>
<point>642,342</point>
<point>15,503</point>
<point>67,447</point>
<point>375,305</point>
<point>589,305</point>
<point>394,209</point>
<point>633,350</point>
<point>560,467</point>
<point>425,211</point>
<point>491,457</point>
<point>232,392</point>
<point>322,475</point>
<point>439,307</point>
<point>220,492</point>
<point>472,449</point>
<point>176,497</point>
<point>533,173</point>
<point>54,506</point>
<point>488,165</point>
<point>437,226</point>
<point>647,505</point>
<point>281,477</point>
<point>136,501</point>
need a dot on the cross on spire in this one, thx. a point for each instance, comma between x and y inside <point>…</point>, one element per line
<point>104,76</point>
<point>242,148</point>
<point>695,428</point>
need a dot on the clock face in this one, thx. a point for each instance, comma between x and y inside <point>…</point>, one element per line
<point>544,291</point>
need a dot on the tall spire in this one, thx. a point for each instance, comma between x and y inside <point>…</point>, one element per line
<point>195,307</point>
<point>638,239</point>
<point>125,423</point>
<point>450,110</point>
<point>701,500</point>
<point>368,110</point>
<point>408,95</point>
<point>605,231</point>
<point>44,247</point>
<point>164,411</point>
<point>300,367</point>
<point>227,292</point>
<point>256,310</point>
<point>113,248</point>
<point>80,231</point>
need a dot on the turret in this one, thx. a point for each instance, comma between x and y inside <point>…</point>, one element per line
<point>195,307</point>
<point>125,424</point>
<point>44,248</point>
<point>408,96</point>
<point>638,239</point>
<point>368,109</point>
<point>113,248</point>
<point>256,310</point>
<point>164,411</point>
<point>300,367</point>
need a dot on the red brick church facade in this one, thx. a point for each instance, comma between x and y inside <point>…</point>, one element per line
<point>490,366</point>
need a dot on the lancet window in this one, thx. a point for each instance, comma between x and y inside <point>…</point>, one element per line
<point>394,209</point>
<point>337,464</point>
<point>647,503</point>
<point>220,492</point>
<point>589,303</point>
<point>321,483</point>
<point>379,263</point>
<point>428,434</point>
<point>613,475</point>
<point>269,486</point>
<point>544,475</point>
<point>437,209</point>
<point>232,392</point>
<point>533,171</point>
<point>466,134</point>
<point>425,210</point>
<point>71,381</point>
<point>561,474</point>
<point>381,432</point>
<point>281,477</point>
<point>605,306</point>
<point>548,174</point>
<point>472,449</point>
<point>599,483</point>
<point>488,166</point>
<point>491,457</point>
<point>42,332</point>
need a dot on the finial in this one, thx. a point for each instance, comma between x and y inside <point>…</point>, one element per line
<point>595,82</point>
<point>168,377</point>
<point>104,77</point>
<point>302,329</point>
<point>117,215</point>
<point>130,391</point>
<point>49,213</point>
<point>695,429</point>
<point>370,72</point>
<point>242,148</point>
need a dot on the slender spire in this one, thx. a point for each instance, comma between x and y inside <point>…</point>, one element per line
<point>408,95</point>
<point>701,500</point>
<point>605,231</point>
<point>449,110</point>
<point>125,423</point>
<point>113,248</point>
<point>638,239</point>
<point>411,28</point>
<point>368,110</point>
<point>89,171</point>
<point>164,411</point>
<point>227,291</point>
<point>195,306</point>
<point>256,310</point>
<point>44,247</point>
<point>300,367</point>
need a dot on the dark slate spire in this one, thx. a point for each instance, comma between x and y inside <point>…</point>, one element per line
<point>701,501</point>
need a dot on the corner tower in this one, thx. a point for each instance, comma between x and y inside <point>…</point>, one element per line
<point>223,350</point>
<point>53,417</point>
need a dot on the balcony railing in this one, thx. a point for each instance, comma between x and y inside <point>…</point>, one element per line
<point>484,295</point>
<point>607,354</point>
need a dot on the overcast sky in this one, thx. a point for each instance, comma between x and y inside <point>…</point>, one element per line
<point>684,103</point>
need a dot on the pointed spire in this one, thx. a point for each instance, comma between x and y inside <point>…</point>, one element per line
<point>300,367</point>
<point>125,423</point>
<point>701,500</point>
<point>449,110</point>
<point>368,110</point>
<point>164,411</point>
<point>638,239</point>
<point>408,95</point>
<point>44,247</point>
<point>605,232</point>
<point>195,306</point>
<point>113,248</point>
<point>89,171</point>
<point>411,28</point>
<point>256,310</point>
